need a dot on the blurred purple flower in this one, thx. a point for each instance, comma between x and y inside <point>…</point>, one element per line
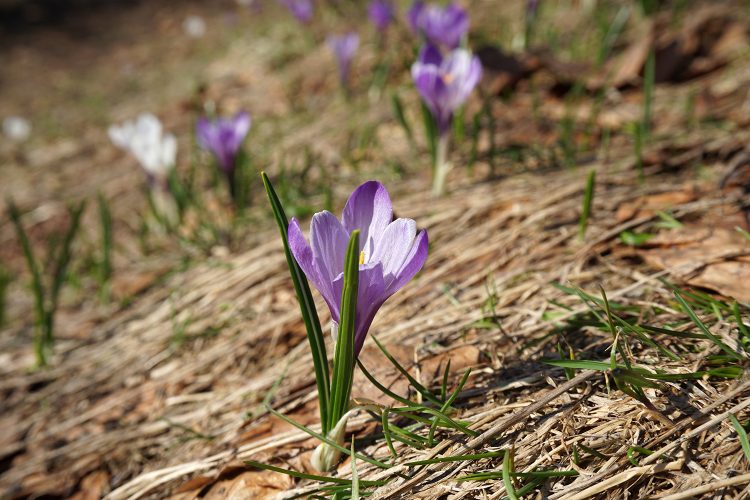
<point>381,13</point>
<point>344,47</point>
<point>445,82</point>
<point>439,25</point>
<point>531,8</point>
<point>301,9</point>
<point>391,253</point>
<point>223,138</point>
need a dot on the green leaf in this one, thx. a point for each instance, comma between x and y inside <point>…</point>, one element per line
<point>329,442</point>
<point>742,434</point>
<point>430,132</point>
<point>507,471</point>
<point>580,364</point>
<point>307,307</point>
<point>419,387</point>
<point>588,200</point>
<point>456,458</point>
<point>355,476</point>
<point>343,361</point>
<point>635,239</point>
<point>689,310</point>
<point>398,111</point>
<point>312,477</point>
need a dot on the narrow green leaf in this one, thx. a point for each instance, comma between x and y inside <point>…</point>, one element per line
<point>387,432</point>
<point>105,264</point>
<point>507,479</point>
<point>742,434</point>
<point>355,477</point>
<point>588,200</point>
<point>307,308</point>
<point>343,361</point>
<point>545,474</point>
<point>311,477</point>
<point>456,458</point>
<point>419,387</point>
<point>689,310</point>
<point>37,285</point>
<point>398,111</point>
<point>430,132</point>
<point>329,442</point>
<point>580,364</point>
<point>635,239</point>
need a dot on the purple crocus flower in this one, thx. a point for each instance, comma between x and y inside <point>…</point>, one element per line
<point>380,13</point>
<point>444,26</point>
<point>391,253</point>
<point>344,47</point>
<point>445,82</point>
<point>301,9</point>
<point>223,138</point>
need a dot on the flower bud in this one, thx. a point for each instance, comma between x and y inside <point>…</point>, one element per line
<point>325,456</point>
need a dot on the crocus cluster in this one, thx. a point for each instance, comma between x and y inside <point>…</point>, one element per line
<point>391,253</point>
<point>302,10</point>
<point>146,140</point>
<point>223,138</point>
<point>443,26</point>
<point>344,47</point>
<point>381,13</point>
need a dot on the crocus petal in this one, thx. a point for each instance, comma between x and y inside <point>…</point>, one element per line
<point>370,297</point>
<point>371,294</point>
<point>204,133</point>
<point>380,13</point>
<point>168,152</point>
<point>303,254</point>
<point>412,263</point>
<point>242,122</point>
<point>328,241</point>
<point>429,54</point>
<point>368,209</point>
<point>464,71</point>
<point>413,15</point>
<point>394,246</point>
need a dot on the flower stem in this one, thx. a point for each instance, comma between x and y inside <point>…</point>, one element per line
<point>442,166</point>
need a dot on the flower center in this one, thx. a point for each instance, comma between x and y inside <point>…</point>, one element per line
<point>448,78</point>
<point>361,257</point>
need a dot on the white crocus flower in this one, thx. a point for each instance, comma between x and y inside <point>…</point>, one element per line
<point>145,139</point>
<point>16,128</point>
<point>156,151</point>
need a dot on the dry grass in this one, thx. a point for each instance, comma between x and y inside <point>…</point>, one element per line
<point>163,396</point>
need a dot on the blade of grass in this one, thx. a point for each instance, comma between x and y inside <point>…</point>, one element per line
<point>689,310</point>
<point>456,458</point>
<point>307,308</point>
<point>398,111</point>
<point>588,199</point>
<point>105,265</point>
<point>311,477</point>
<point>507,479</point>
<point>37,286</point>
<point>421,389</point>
<point>355,477</point>
<point>333,444</point>
<point>742,434</point>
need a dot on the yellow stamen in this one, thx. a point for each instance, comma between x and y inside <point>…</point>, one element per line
<point>448,78</point>
<point>361,257</point>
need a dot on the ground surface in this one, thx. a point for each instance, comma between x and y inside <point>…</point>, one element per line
<point>159,391</point>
